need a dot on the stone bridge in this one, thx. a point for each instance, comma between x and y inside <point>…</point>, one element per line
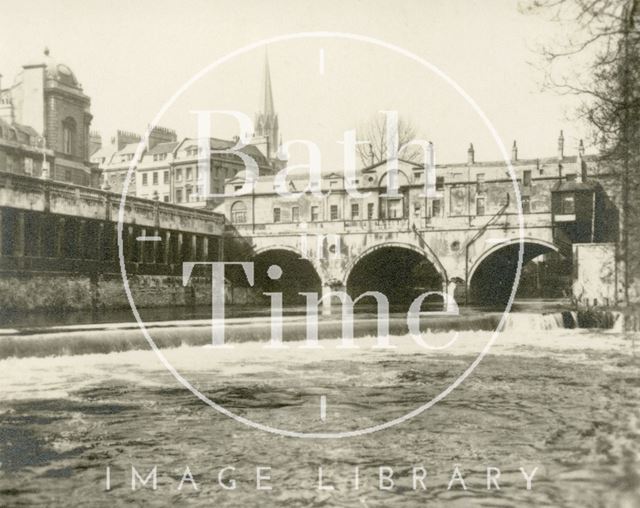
<point>467,257</point>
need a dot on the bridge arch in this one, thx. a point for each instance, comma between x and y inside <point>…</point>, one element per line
<point>492,275</point>
<point>299,274</point>
<point>412,271</point>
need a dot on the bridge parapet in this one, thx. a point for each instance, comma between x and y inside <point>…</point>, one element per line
<point>47,196</point>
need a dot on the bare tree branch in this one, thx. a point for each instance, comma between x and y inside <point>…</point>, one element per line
<point>375,132</point>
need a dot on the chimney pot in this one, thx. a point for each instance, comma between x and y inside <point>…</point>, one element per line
<point>514,151</point>
<point>471,156</point>
<point>561,146</point>
<point>582,165</point>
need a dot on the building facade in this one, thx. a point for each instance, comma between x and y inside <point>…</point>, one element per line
<point>463,190</point>
<point>168,169</point>
<point>48,99</point>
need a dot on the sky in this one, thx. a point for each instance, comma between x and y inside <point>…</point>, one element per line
<point>132,57</point>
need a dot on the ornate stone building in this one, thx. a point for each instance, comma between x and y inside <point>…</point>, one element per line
<point>48,98</point>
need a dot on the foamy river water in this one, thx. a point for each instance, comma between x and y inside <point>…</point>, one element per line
<point>563,401</point>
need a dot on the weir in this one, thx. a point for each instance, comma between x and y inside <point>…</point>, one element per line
<point>115,337</point>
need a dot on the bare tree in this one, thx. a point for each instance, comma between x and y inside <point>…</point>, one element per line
<point>375,132</point>
<point>609,84</point>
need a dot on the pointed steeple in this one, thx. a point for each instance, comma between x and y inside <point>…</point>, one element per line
<point>268,108</point>
<point>266,123</point>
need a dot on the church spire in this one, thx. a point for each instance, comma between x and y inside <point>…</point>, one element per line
<point>266,124</point>
<point>268,94</point>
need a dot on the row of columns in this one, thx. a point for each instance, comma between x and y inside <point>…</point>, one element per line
<point>25,233</point>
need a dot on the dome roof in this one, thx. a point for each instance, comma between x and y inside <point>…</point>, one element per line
<point>54,70</point>
<point>59,71</point>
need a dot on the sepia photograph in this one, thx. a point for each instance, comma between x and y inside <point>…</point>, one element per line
<point>331,253</point>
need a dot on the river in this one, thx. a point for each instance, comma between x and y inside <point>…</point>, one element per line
<point>563,401</point>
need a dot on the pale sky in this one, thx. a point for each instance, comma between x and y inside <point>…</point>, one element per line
<point>132,56</point>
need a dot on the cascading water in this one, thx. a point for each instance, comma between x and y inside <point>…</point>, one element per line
<point>533,321</point>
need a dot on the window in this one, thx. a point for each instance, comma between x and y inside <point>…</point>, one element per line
<point>439,183</point>
<point>568,204</point>
<point>333,212</point>
<point>571,177</point>
<point>237,187</point>
<point>480,205</point>
<point>179,196</point>
<point>69,136</point>
<point>416,176</point>
<point>276,215</point>
<point>369,210</point>
<point>67,175</point>
<point>394,208</point>
<point>187,194</point>
<point>333,184</point>
<point>416,210</point>
<point>436,208</point>
<point>314,214</point>
<point>188,176</point>
<point>526,178</point>
<point>166,177</point>
<point>155,178</point>
<point>178,174</point>
<point>295,214</point>
<point>144,179</point>
<point>238,213</point>
<point>165,198</point>
<point>28,166</point>
<point>480,181</point>
<point>355,211</point>
<point>526,204</point>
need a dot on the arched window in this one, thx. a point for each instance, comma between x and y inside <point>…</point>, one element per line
<point>238,213</point>
<point>69,136</point>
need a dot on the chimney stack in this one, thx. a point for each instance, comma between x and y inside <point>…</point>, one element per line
<point>514,151</point>
<point>561,146</point>
<point>471,156</point>
<point>582,166</point>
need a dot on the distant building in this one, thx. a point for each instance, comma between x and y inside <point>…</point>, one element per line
<point>168,168</point>
<point>21,150</point>
<point>555,185</point>
<point>46,104</point>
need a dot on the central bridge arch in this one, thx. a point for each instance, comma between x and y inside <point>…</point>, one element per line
<point>298,273</point>
<point>401,271</point>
